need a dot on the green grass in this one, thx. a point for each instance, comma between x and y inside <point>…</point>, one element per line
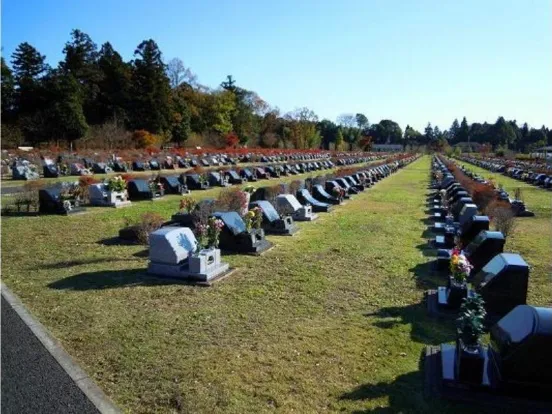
<point>532,238</point>
<point>331,320</point>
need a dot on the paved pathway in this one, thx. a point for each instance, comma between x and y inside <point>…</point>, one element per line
<point>32,380</point>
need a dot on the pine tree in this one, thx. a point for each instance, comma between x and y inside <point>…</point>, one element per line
<point>453,131</point>
<point>463,134</point>
<point>115,87</point>
<point>81,61</point>
<point>28,68</point>
<point>8,92</point>
<point>150,89</point>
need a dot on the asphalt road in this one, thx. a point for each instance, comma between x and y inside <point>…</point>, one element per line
<point>32,380</point>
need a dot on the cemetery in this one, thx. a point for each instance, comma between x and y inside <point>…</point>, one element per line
<point>398,284</point>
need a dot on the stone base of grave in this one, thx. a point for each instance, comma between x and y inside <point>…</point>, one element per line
<point>439,382</point>
<point>182,272</point>
<point>434,300</point>
<point>115,205</point>
<point>303,218</point>
<point>74,210</point>
<point>290,231</point>
<point>259,249</point>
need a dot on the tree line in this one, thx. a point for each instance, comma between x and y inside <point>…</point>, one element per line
<point>96,98</point>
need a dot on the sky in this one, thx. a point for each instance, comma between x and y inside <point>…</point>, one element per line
<point>412,61</point>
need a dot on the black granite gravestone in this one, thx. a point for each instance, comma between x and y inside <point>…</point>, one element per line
<point>50,171</point>
<point>503,283</point>
<point>261,173</point>
<point>51,202</point>
<point>247,175</point>
<point>119,166</point>
<point>100,168</point>
<point>520,357</point>
<point>272,223</point>
<point>472,228</point>
<point>194,182</point>
<point>139,189</point>
<point>234,236</point>
<point>485,246</point>
<point>138,166</point>
<point>233,177</point>
<point>321,195</point>
<point>305,197</point>
<point>172,185</point>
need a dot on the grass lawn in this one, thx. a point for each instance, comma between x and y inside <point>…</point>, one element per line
<point>532,238</point>
<point>331,320</point>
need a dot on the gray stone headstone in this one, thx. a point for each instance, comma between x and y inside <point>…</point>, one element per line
<point>288,201</point>
<point>171,245</point>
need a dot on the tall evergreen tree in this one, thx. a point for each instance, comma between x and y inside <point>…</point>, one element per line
<point>28,68</point>
<point>180,116</point>
<point>115,86</point>
<point>8,92</point>
<point>463,134</point>
<point>81,61</point>
<point>429,133</point>
<point>453,131</point>
<point>150,89</point>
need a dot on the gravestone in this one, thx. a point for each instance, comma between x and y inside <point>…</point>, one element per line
<point>502,283</point>
<point>485,246</point>
<point>472,228</point>
<point>172,185</point>
<point>519,352</point>
<point>247,175</point>
<point>79,169</point>
<point>217,180</point>
<point>234,236</point>
<point>233,177</point>
<point>320,194</point>
<point>99,195</point>
<point>261,173</point>
<point>290,205</point>
<point>173,253</point>
<point>24,171</point>
<point>138,166</point>
<point>272,223</point>
<point>119,166</point>
<point>305,197</point>
<point>50,169</point>
<point>51,202</point>
<point>139,189</point>
<point>154,165</point>
<point>194,182</point>
<point>101,168</point>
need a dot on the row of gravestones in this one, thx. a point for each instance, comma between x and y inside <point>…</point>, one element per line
<point>24,170</point>
<point>518,361</point>
<point>173,248</point>
<point>54,200</point>
<point>517,206</point>
<point>526,174</point>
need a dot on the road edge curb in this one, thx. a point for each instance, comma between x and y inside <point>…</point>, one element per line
<point>52,345</point>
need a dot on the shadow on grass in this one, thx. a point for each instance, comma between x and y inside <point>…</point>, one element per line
<point>73,263</point>
<point>427,249</point>
<point>423,329</point>
<point>406,391</point>
<point>427,277</point>
<point>112,279</point>
<point>428,221</point>
<point>116,241</point>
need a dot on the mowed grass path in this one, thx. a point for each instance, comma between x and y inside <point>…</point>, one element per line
<point>532,238</point>
<point>331,320</point>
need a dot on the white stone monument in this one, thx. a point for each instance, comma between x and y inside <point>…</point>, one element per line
<point>100,195</point>
<point>173,253</point>
<point>292,206</point>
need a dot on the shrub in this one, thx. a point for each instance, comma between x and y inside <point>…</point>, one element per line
<point>204,210</point>
<point>482,195</point>
<point>502,216</point>
<point>295,186</point>
<point>518,193</point>
<point>231,199</point>
<point>148,222</point>
<point>144,139</point>
<point>231,139</point>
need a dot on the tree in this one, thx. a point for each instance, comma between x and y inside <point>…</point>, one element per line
<point>412,137</point>
<point>386,131</point>
<point>178,73</point>
<point>150,89</point>
<point>115,86</point>
<point>180,116</point>
<point>339,140</point>
<point>328,132</point>
<point>429,133</point>
<point>229,84</point>
<point>362,121</point>
<point>81,61</point>
<point>28,64</point>
<point>463,134</point>
<point>453,131</point>
<point>502,134</point>
<point>8,92</point>
<point>64,116</point>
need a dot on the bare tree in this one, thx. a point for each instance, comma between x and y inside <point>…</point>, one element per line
<point>347,120</point>
<point>179,73</point>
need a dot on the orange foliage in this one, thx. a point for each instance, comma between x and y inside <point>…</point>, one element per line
<point>145,139</point>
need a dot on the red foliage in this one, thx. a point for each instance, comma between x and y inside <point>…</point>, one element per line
<point>231,140</point>
<point>127,177</point>
<point>86,180</point>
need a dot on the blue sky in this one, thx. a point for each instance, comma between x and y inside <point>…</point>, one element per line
<point>412,61</point>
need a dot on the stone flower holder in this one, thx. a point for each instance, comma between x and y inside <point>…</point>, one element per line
<point>205,262</point>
